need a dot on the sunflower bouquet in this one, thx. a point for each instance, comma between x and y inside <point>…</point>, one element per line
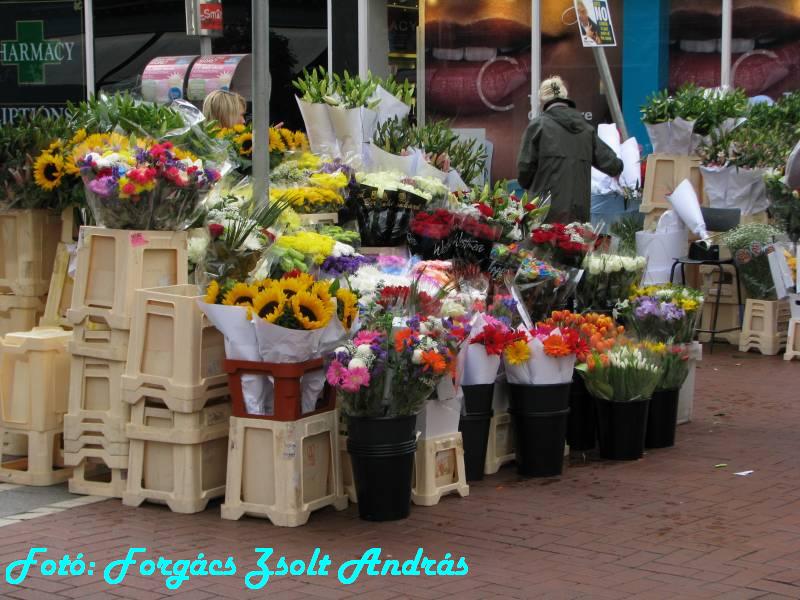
<point>290,320</point>
<point>662,312</point>
<point>142,184</point>
<point>281,142</point>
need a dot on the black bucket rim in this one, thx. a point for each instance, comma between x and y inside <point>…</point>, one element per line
<point>540,385</point>
<point>550,413</point>
<point>477,416</point>
<point>382,449</point>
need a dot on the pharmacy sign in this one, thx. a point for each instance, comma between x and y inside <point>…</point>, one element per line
<point>30,52</point>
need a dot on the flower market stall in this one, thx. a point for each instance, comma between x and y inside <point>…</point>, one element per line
<point>388,328</point>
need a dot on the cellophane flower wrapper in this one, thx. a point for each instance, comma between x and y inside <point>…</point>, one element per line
<point>563,245</point>
<point>241,343</point>
<point>608,279</point>
<point>475,237</point>
<point>278,345</point>
<point>384,218</point>
<point>736,187</point>
<point>220,263</point>
<point>540,369</point>
<point>671,137</point>
<point>477,367</point>
<point>321,135</point>
<point>541,287</point>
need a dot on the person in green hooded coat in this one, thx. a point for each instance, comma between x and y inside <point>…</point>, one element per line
<point>557,154</point>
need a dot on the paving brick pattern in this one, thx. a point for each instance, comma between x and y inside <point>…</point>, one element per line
<point>672,525</point>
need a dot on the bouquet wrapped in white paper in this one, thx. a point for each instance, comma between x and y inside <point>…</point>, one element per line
<point>543,356</point>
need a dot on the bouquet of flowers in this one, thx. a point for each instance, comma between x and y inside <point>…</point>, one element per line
<point>56,176</point>
<point>391,371</point>
<point>515,215</point>
<point>540,286</point>
<point>674,364</point>
<point>504,309</point>
<point>607,279</point>
<point>281,142</point>
<point>542,356</point>
<point>596,332</point>
<point>623,374</point>
<point>142,184</point>
<point>475,236</point>
<point>293,319</point>
<point>564,244</point>
<point>236,241</point>
<point>748,244</point>
<point>300,250</point>
<point>430,234</point>
<point>662,312</point>
<point>386,202</point>
<point>480,357</point>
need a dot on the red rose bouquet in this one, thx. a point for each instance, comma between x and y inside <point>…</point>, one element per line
<point>430,234</point>
<point>564,244</point>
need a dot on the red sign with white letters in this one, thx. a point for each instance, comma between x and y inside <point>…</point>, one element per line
<point>211,16</point>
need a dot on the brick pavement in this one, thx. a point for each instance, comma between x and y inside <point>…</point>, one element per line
<point>668,526</point>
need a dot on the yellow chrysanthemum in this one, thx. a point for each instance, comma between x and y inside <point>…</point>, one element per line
<point>48,171</point>
<point>269,304</point>
<point>212,293</point>
<point>348,307</point>
<point>310,311</point>
<point>244,144</point>
<point>518,353</point>
<point>241,294</point>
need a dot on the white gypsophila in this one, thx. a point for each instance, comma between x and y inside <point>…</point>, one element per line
<point>364,352</point>
<point>197,248</point>
<point>343,349</point>
<point>427,343</point>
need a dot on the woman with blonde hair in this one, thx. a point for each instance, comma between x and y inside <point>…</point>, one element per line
<point>224,107</point>
<point>557,154</point>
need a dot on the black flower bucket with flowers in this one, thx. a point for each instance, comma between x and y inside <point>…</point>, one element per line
<point>383,219</point>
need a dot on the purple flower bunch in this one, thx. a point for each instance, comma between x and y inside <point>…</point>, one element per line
<point>335,266</point>
<point>649,306</point>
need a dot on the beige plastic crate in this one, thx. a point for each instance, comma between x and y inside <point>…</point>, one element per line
<point>34,380</point>
<point>151,420</point>
<point>664,173</point>
<point>500,447</point>
<point>59,295</point>
<point>94,338</point>
<point>95,390</point>
<point>93,477</point>
<point>283,470</point>
<point>114,263</point>
<point>28,241</point>
<point>710,281</point>
<point>182,476</point>
<point>19,313</point>
<point>173,346</point>
<point>439,469</point>
<point>347,470</point>
<point>41,462</point>
<point>113,454</point>
<point>196,402</point>
<point>792,340</point>
<point>112,429</point>
<point>14,443</point>
<point>69,228</point>
<point>764,327</point>
<point>727,318</point>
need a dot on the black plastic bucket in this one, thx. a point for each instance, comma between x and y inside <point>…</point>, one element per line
<point>478,398</point>
<point>382,454</point>
<point>540,414</point>
<point>621,428</point>
<point>582,421</point>
<point>662,418</point>
<point>474,430</point>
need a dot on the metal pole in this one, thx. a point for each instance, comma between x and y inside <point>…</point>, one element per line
<point>536,55</point>
<point>727,33</point>
<point>421,66</point>
<point>261,94</point>
<point>363,37</point>
<point>611,91</point>
<point>88,45</point>
<point>205,46</point>
<point>330,36</point>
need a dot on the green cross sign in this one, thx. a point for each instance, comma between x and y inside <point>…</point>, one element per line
<point>30,52</point>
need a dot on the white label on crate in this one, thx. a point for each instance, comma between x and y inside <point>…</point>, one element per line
<point>290,450</point>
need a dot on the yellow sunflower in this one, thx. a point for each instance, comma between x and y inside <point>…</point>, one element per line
<point>240,295</point>
<point>212,293</point>
<point>57,145</point>
<point>266,284</point>
<point>181,154</point>
<point>347,307</point>
<point>244,143</point>
<point>269,304</point>
<point>292,285</point>
<point>79,136</point>
<point>48,171</point>
<point>322,290</point>
<point>276,143</point>
<point>310,311</point>
<point>239,128</point>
